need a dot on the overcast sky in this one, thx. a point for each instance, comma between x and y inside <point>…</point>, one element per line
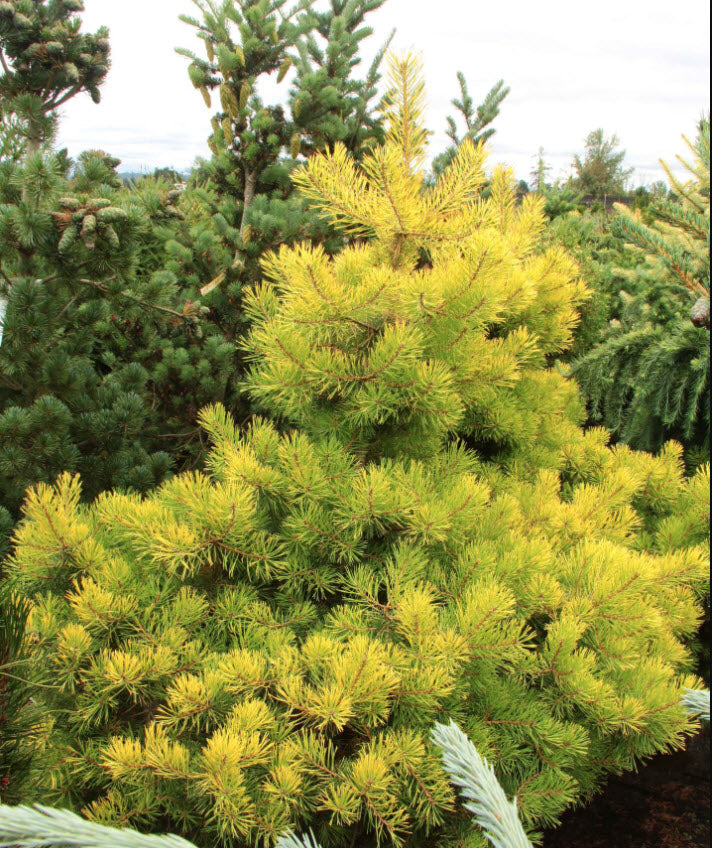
<point>637,68</point>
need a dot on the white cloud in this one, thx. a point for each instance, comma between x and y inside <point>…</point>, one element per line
<point>637,68</point>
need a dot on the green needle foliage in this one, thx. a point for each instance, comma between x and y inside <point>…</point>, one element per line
<point>601,171</point>
<point>601,254</point>
<point>477,120</point>
<point>67,251</point>
<point>328,104</point>
<point>241,202</point>
<point>21,720</point>
<point>246,186</point>
<point>99,372</point>
<point>265,647</point>
<point>648,380</point>
<point>46,61</point>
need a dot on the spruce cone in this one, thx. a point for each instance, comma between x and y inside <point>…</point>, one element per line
<point>700,314</point>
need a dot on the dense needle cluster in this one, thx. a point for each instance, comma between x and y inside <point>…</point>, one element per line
<point>426,535</point>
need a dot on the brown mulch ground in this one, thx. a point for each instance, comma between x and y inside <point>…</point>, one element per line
<point>665,805</point>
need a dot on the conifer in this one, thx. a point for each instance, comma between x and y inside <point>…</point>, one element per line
<point>477,120</point>
<point>46,61</point>
<point>539,174</point>
<point>648,380</point>
<point>120,360</point>
<point>601,254</point>
<point>427,535</point>
<point>601,172</point>
<point>255,145</point>
<point>21,719</point>
<point>90,344</point>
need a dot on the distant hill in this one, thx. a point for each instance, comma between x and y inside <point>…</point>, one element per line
<point>132,176</point>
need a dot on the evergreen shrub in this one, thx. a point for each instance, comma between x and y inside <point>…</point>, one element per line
<point>266,646</point>
<point>648,379</point>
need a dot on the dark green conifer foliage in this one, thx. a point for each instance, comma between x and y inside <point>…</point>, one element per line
<point>107,336</point>
<point>601,256</point>
<point>267,645</point>
<point>93,371</point>
<point>241,203</point>
<point>477,120</point>
<point>13,142</point>
<point>328,103</point>
<point>601,172</point>
<point>46,61</point>
<point>649,379</point>
<point>67,252</point>
<point>560,198</point>
<point>255,145</point>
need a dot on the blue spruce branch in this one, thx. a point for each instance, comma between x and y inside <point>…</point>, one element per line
<point>485,797</point>
<point>292,841</point>
<point>697,702</point>
<point>44,827</point>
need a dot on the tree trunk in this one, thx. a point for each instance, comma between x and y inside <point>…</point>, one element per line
<point>33,145</point>
<point>250,188</point>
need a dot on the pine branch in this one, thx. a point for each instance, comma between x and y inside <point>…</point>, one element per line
<point>403,110</point>
<point>486,799</point>
<point>56,103</point>
<point>105,290</point>
<point>43,827</point>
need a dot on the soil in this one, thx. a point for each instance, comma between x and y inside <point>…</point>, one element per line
<point>666,804</point>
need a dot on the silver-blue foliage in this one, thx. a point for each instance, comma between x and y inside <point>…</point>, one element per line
<point>697,702</point>
<point>485,798</point>
<point>44,827</point>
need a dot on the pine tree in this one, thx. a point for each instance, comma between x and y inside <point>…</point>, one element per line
<point>429,535</point>
<point>601,172</point>
<point>21,720</point>
<point>539,174</point>
<point>328,104</point>
<point>560,198</point>
<point>649,379</point>
<point>240,203</point>
<point>121,359</point>
<point>93,377</point>
<point>46,61</point>
<point>601,255</point>
<point>255,145</point>
<point>67,255</point>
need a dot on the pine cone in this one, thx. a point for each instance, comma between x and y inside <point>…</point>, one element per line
<point>700,314</point>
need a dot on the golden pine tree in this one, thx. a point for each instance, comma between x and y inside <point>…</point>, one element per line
<point>267,646</point>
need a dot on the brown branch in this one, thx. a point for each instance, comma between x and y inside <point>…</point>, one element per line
<point>5,65</point>
<point>250,189</point>
<point>55,104</point>
<point>102,287</point>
